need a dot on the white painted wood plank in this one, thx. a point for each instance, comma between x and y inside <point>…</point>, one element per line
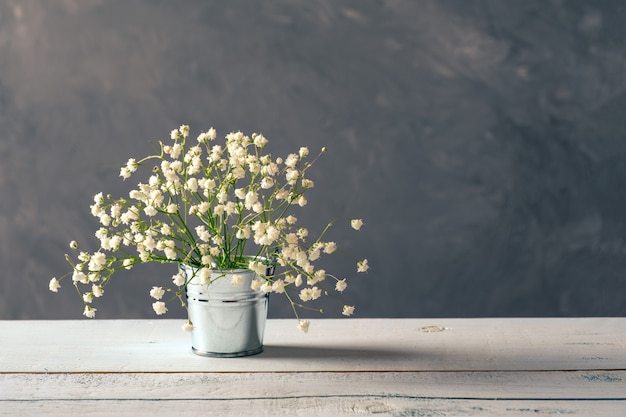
<point>331,345</point>
<point>314,407</point>
<point>553,385</point>
<point>406,367</point>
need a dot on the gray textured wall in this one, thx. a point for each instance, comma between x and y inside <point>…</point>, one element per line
<point>483,142</point>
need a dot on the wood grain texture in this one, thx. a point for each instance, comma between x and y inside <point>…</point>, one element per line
<point>322,407</point>
<point>330,345</point>
<point>558,386</point>
<point>384,367</point>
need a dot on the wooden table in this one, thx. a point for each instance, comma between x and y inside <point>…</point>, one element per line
<point>345,367</point>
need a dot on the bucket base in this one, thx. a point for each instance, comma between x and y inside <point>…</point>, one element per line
<point>228,355</point>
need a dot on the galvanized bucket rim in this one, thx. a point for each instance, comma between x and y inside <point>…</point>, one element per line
<point>269,264</point>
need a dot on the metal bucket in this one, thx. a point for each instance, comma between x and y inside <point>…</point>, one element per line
<point>228,320</point>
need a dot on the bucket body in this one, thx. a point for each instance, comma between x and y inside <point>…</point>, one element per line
<point>228,319</point>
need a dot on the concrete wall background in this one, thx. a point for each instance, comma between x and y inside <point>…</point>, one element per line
<point>483,142</point>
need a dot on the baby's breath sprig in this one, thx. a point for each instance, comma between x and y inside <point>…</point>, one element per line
<point>211,206</point>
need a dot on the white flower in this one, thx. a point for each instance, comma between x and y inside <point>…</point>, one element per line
<point>298,281</point>
<point>192,184</point>
<point>97,290</point>
<point>362,266</point>
<point>205,276</point>
<point>125,172</point>
<point>291,239</point>
<point>257,267</point>
<point>204,207</point>
<point>203,138</point>
<point>170,253</point>
<point>266,287</point>
<point>219,209</point>
<point>278,286</point>
<point>132,164</point>
<point>240,193</point>
<point>259,140</point>
<point>114,243</point>
<point>239,172</point>
<point>159,307</point>
<point>315,293</point>
<point>256,284</point>
<point>96,210</point>
<point>54,285</point>
<point>314,254</point>
<point>97,261</point>
<point>195,166</point>
<point>303,325</point>
<point>157,293</point>
<point>243,233</point>
<point>88,297</point>
<point>175,150</point>
<point>348,310</point>
<point>257,207</point>
<point>101,233</point>
<point>251,199</point>
<point>156,197</point>
<point>236,279</point>
<point>319,275</point>
<point>116,210</point>
<point>203,233</point>
<point>292,176</point>
<point>178,279</point>
<point>266,183</point>
<point>73,244</point>
<point>356,224</point>
<point>308,294</point>
<point>330,247</point>
<point>149,243</point>
<point>291,161</point>
<point>269,235</point>
<point>89,312</point>
<point>128,263</point>
<point>187,326</point>
<point>341,285</point>
<point>105,219</point>
<point>282,194</point>
<point>308,268</point>
<point>79,276</point>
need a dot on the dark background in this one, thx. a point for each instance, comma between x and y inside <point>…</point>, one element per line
<point>483,142</point>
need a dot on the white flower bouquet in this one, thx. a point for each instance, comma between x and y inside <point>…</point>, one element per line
<point>212,207</point>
